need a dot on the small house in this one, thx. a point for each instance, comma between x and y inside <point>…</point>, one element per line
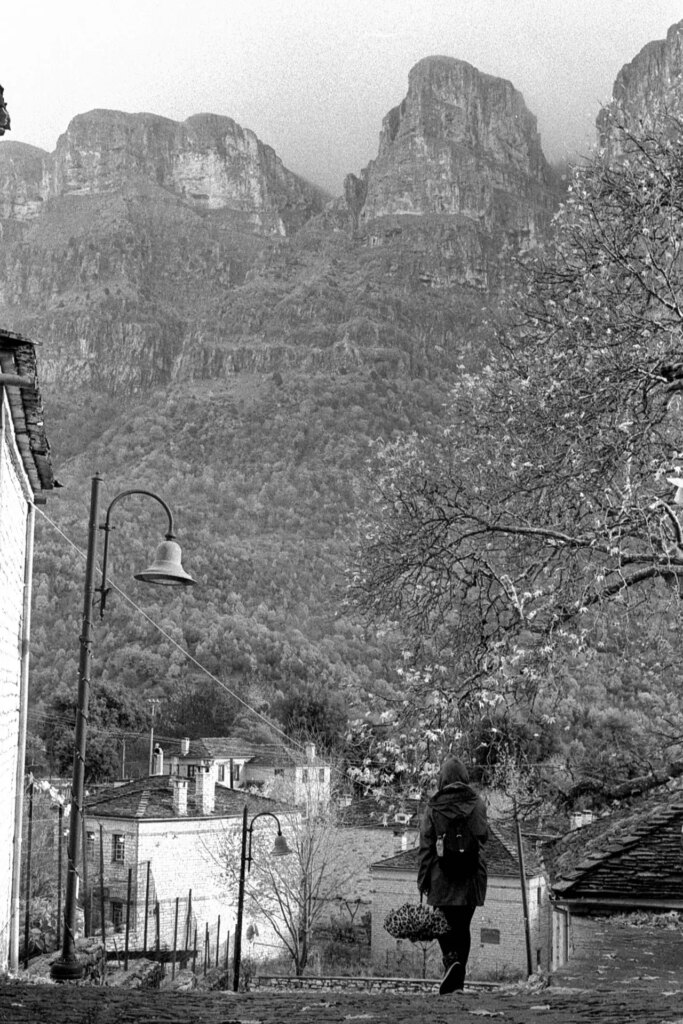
<point>629,859</point>
<point>155,860</point>
<point>499,948</point>
<point>298,777</point>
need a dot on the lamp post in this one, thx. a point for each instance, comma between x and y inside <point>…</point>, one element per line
<point>166,569</point>
<point>280,849</point>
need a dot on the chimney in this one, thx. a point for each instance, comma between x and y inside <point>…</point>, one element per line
<point>205,789</point>
<point>179,787</point>
<point>310,752</point>
<point>185,746</point>
<point>158,761</point>
<point>578,819</point>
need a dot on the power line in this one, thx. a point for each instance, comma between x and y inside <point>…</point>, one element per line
<point>248,707</point>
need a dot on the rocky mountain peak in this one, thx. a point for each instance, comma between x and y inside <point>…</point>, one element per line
<point>451,101</point>
<point>461,145</point>
<point>209,161</point>
<point>648,86</point>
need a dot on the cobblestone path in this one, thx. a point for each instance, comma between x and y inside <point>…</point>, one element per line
<point>617,975</point>
<point>47,1004</point>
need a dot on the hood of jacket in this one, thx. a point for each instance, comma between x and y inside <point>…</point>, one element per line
<point>455,800</point>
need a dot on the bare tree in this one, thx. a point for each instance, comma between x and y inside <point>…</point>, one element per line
<point>293,893</point>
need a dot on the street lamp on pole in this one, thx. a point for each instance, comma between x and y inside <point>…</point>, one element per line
<point>280,849</point>
<point>166,569</point>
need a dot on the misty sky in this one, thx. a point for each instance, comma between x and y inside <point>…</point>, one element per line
<point>312,78</point>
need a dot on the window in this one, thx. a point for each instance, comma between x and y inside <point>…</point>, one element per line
<point>278,772</point>
<point>118,848</point>
<point>90,845</point>
<point>304,774</point>
<point>321,774</point>
<point>117,915</point>
<point>191,771</point>
<point>221,773</point>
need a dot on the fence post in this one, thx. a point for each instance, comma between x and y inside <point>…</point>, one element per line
<point>60,840</point>
<point>194,955</point>
<point>128,899</point>
<point>144,931</point>
<point>104,927</point>
<point>87,923</point>
<point>188,920</point>
<point>157,916</point>
<point>227,950</point>
<point>218,937</point>
<point>175,936</point>
<point>206,947</point>
<point>27,920</point>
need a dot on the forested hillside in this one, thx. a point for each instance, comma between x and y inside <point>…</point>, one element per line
<point>293,374</point>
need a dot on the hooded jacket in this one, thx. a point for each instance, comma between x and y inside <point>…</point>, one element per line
<point>454,798</point>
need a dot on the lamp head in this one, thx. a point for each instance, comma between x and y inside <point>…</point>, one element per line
<point>166,569</point>
<point>677,482</point>
<point>280,848</point>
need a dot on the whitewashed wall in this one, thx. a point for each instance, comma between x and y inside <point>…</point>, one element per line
<point>14,496</point>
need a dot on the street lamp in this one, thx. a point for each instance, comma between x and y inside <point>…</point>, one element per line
<point>167,570</point>
<point>280,849</point>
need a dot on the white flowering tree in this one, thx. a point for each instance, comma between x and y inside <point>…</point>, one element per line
<point>550,496</point>
<point>548,509</point>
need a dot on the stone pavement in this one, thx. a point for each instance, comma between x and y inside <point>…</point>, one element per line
<point>618,975</point>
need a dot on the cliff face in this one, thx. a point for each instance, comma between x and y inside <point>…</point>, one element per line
<point>21,176</point>
<point>208,161</point>
<point>120,248</point>
<point>145,251</point>
<point>463,151</point>
<point>647,87</point>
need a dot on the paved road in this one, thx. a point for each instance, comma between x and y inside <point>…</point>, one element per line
<point>618,975</point>
<point>45,1004</point>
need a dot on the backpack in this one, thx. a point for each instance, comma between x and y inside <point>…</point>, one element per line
<point>457,847</point>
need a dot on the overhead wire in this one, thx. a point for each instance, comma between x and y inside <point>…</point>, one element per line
<point>288,740</point>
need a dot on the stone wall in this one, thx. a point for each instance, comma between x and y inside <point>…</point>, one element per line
<point>343,983</point>
<point>14,493</point>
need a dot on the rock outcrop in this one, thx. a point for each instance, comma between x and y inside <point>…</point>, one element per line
<point>120,248</point>
<point>648,87</point>
<point>208,161</point>
<point>21,180</point>
<point>463,152</point>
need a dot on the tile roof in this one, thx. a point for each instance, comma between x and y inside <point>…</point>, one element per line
<point>18,359</point>
<point>211,748</point>
<point>152,797</point>
<point>632,853</point>
<point>276,756</point>
<point>381,812</point>
<point>500,851</point>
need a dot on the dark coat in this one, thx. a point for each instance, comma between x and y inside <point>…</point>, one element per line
<point>454,799</point>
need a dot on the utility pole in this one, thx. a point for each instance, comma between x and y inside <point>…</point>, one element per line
<point>154,702</point>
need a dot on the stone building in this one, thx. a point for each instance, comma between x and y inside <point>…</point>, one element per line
<point>629,859</point>
<point>498,933</point>
<point>171,835</point>
<point>298,777</point>
<point>25,472</point>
